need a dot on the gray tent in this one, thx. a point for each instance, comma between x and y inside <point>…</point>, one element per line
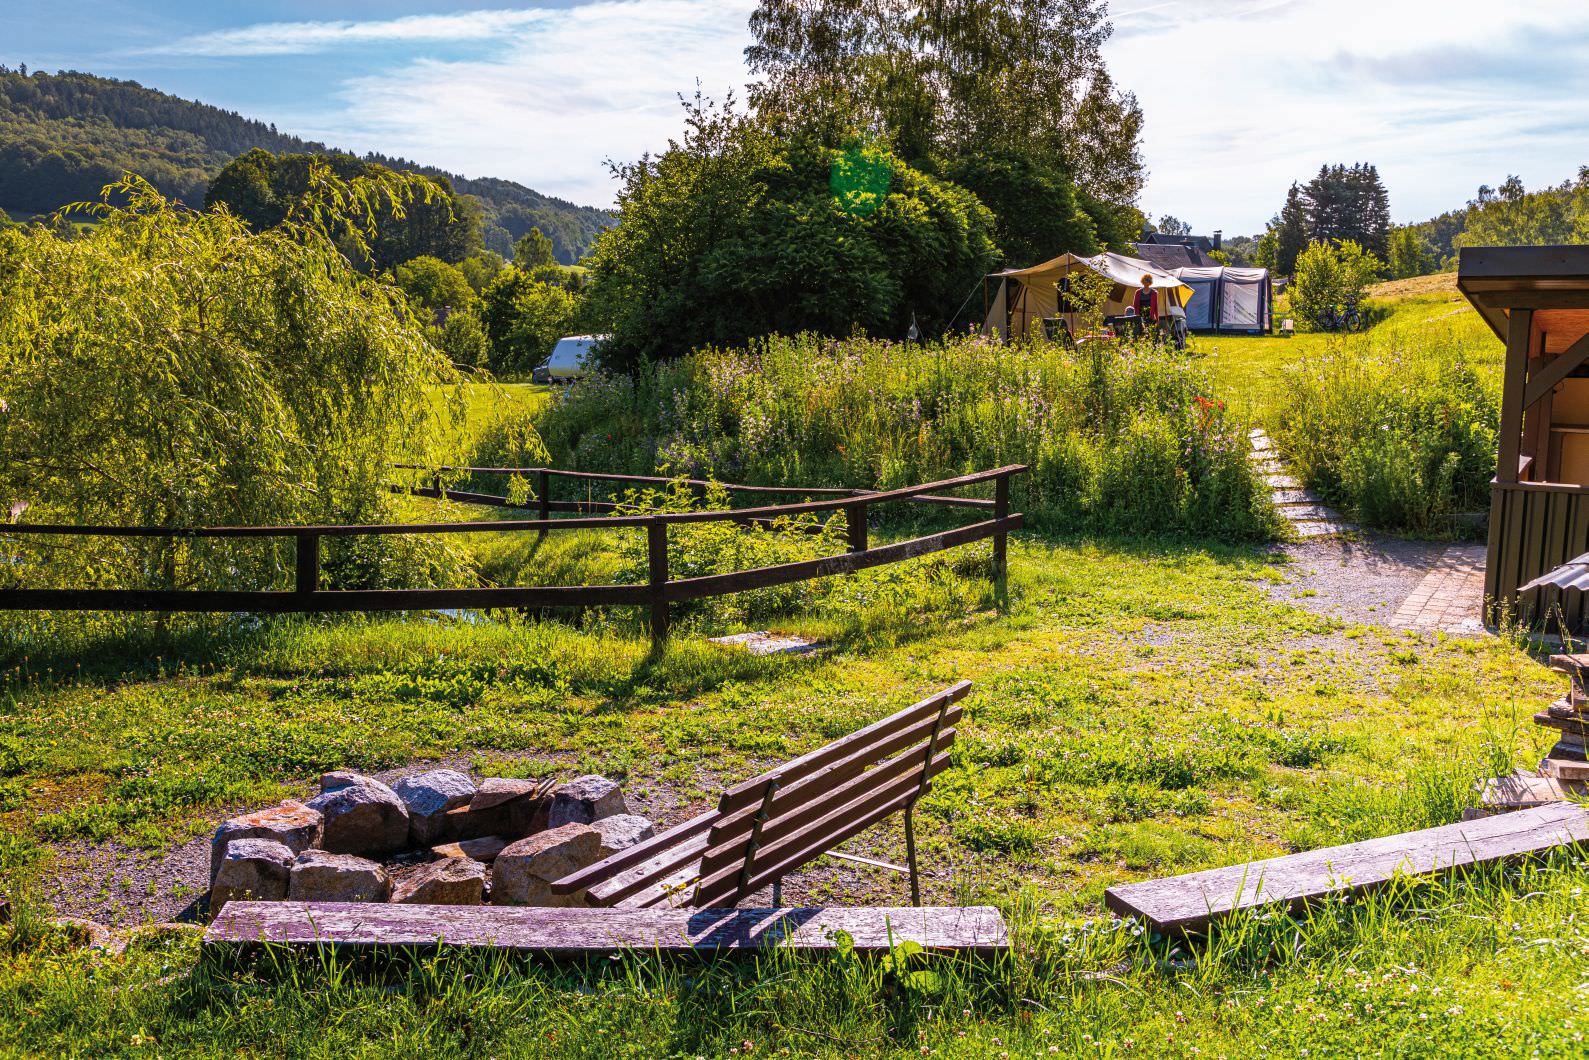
<point>1228,299</point>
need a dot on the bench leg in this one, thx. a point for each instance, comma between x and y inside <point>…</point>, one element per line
<point>910,852</point>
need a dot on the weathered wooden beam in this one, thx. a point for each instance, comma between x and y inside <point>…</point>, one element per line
<point>1193,901</point>
<point>1556,370</point>
<point>1519,337</point>
<point>576,932</point>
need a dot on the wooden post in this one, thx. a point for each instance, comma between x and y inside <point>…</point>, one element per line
<point>307,568</point>
<point>1001,509</point>
<point>544,489</point>
<point>1519,338</point>
<point>855,516</point>
<point>657,555</point>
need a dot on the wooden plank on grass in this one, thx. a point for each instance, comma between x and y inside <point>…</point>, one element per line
<point>1192,902</point>
<point>975,929</point>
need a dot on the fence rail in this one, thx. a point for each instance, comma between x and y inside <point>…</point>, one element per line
<point>658,593</point>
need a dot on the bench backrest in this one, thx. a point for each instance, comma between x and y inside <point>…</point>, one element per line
<point>771,825</point>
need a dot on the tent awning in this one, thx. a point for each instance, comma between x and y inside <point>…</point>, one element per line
<point>1119,269</point>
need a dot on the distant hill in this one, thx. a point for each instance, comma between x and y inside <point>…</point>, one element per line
<point>64,136</point>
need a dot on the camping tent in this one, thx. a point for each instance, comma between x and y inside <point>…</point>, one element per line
<point>1021,299</point>
<point>1228,299</point>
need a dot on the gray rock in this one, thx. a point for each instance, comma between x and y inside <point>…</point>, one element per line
<point>321,877</point>
<point>524,871</point>
<point>254,870</point>
<point>450,881</point>
<point>585,800</point>
<point>292,824</point>
<point>494,791</point>
<point>622,831</point>
<point>430,795</point>
<point>362,817</point>
<point>338,778</point>
<point>483,849</point>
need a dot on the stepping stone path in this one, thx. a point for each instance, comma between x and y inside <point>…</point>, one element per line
<point>1305,510</point>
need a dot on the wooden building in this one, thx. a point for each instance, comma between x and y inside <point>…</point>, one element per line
<point>1537,300</point>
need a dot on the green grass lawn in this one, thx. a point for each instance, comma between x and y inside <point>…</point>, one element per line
<point>485,402</point>
<point>1249,371</point>
<point>1141,709</point>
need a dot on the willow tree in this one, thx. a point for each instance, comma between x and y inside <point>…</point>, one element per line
<point>163,367</point>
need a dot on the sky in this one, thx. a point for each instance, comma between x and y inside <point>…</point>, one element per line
<point>1241,97</point>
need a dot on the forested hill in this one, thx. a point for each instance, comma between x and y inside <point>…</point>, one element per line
<point>64,136</point>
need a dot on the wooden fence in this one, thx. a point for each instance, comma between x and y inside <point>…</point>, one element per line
<point>658,594</point>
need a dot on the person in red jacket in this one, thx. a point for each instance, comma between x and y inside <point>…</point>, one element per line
<point>1146,305</point>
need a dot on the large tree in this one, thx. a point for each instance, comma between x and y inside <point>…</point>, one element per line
<point>735,232</point>
<point>261,188</point>
<point>954,79</point>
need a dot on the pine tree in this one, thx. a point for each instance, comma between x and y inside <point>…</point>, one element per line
<point>1291,231</point>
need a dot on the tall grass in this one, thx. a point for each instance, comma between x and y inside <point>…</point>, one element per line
<point>1119,439</point>
<point>1400,429</point>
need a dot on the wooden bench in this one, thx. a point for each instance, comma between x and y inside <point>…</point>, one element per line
<point>1193,901</point>
<point>242,926</point>
<point>769,826</point>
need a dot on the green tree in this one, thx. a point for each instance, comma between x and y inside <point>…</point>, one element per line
<point>1169,224</point>
<point>480,269</point>
<point>1513,216</point>
<point>1329,275</point>
<point>165,367</point>
<point>1036,216</point>
<point>261,189</point>
<point>434,284</point>
<point>951,80</point>
<point>736,232</point>
<point>1349,204</point>
<point>523,319</point>
<point>1290,231</point>
<point>533,251</point>
<point>1410,254</point>
<point>462,337</point>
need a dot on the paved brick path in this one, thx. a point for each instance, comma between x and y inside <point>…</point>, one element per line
<point>1450,597</point>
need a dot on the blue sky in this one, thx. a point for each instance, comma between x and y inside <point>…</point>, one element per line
<point>1241,96</point>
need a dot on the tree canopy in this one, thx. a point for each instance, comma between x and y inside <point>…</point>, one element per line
<point>736,232</point>
<point>171,368</point>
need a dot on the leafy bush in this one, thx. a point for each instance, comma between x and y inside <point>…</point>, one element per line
<point>1119,439</point>
<point>1330,275</point>
<point>1402,433</point>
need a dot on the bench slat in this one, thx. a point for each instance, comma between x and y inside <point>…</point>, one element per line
<point>724,851</point>
<point>750,792</point>
<point>1191,902</point>
<point>241,925</point>
<point>609,867</point>
<point>637,879</point>
<point>789,798</point>
<point>814,840</point>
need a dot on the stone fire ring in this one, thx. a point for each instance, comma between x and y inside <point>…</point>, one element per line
<point>435,838</point>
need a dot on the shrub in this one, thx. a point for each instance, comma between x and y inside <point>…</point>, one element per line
<point>1121,439</point>
<point>523,319</point>
<point>1330,275</point>
<point>1402,430</point>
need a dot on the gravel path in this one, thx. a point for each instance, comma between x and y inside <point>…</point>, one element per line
<point>1369,579</point>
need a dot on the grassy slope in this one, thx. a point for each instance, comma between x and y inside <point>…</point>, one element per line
<point>1141,710</point>
<point>1250,369</point>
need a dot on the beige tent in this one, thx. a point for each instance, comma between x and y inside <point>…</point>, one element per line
<point>1021,299</point>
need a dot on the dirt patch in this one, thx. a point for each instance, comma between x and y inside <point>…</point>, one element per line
<point>122,886</point>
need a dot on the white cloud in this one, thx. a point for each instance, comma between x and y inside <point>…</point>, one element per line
<point>297,38</point>
<point>557,97</point>
<point>1442,96</point>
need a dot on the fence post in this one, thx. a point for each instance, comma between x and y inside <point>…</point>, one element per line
<point>855,517</point>
<point>307,568</point>
<point>1001,509</point>
<point>657,557</point>
<point>544,487</point>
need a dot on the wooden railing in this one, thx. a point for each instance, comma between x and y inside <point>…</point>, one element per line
<point>659,592</point>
